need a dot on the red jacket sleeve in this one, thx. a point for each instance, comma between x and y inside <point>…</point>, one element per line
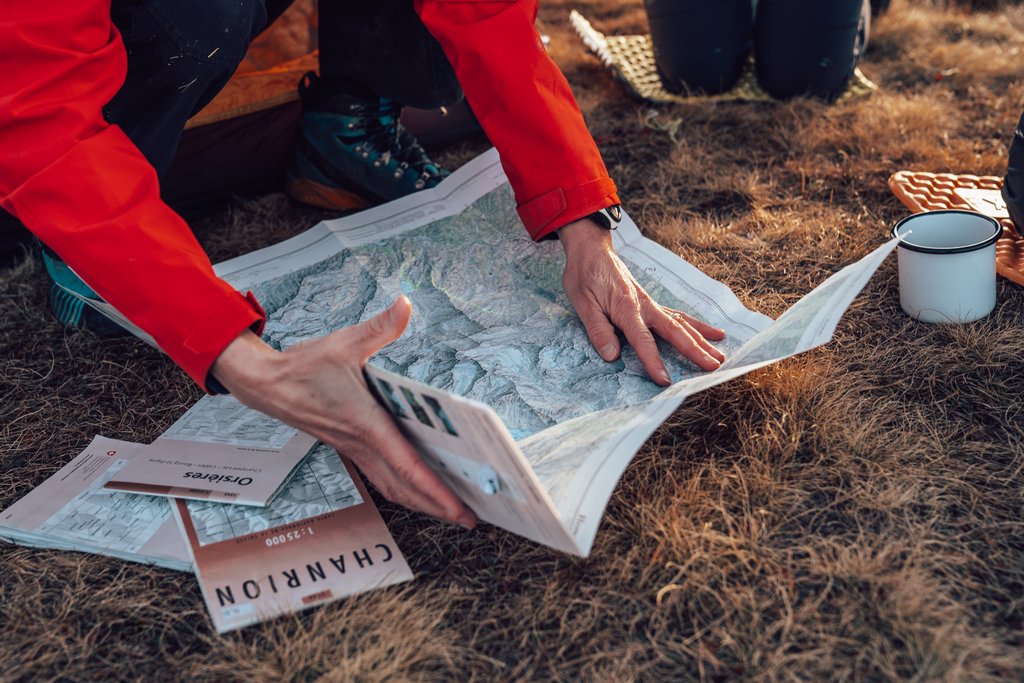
<point>525,106</point>
<point>86,191</point>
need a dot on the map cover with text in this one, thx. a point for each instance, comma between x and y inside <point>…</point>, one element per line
<point>218,450</point>
<point>72,510</point>
<point>320,540</point>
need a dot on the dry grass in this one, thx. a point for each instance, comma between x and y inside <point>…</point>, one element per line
<point>853,514</point>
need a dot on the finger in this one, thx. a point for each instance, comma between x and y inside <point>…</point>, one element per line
<point>679,320</point>
<point>599,330</point>
<point>642,341</point>
<point>396,489</point>
<point>708,331</point>
<point>686,340</point>
<point>392,463</point>
<point>371,335</point>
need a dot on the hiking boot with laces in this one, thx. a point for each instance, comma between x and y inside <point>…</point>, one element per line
<point>352,152</point>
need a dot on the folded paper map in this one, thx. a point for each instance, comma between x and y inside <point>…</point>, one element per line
<point>320,540</point>
<point>495,379</point>
<point>73,511</point>
<point>219,450</point>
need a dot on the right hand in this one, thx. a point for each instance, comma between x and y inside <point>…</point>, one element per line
<point>607,297</point>
<point>318,386</point>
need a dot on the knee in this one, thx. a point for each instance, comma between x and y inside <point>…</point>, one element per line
<point>801,52</point>
<point>214,32</point>
<point>700,44</point>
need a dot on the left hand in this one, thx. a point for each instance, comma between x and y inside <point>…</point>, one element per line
<point>606,296</point>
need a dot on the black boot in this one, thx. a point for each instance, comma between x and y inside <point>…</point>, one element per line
<point>352,151</point>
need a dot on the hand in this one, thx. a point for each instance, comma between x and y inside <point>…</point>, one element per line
<point>606,297</point>
<point>318,386</point>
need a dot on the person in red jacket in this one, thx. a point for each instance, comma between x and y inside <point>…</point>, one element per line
<point>93,100</point>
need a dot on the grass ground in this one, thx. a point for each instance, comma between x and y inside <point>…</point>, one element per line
<point>856,513</point>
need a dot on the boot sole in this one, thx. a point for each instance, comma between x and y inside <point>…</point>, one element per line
<point>325,197</point>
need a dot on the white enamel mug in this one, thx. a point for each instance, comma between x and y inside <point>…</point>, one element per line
<point>947,265</point>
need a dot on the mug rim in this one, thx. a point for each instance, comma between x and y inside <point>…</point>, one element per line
<point>948,250</point>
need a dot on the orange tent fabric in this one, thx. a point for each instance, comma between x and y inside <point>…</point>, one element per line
<point>267,77</point>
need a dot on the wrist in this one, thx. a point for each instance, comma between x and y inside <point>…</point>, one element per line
<point>245,363</point>
<point>584,234</point>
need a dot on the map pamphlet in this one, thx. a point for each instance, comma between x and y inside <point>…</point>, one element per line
<point>495,379</point>
<point>219,450</point>
<point>73,511</point>
<point>320,540</point>
<point>468,445</point>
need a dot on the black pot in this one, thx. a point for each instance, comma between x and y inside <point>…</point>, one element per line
<point>700,45</point>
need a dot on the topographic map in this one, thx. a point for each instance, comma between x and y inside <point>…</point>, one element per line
<point>222,419</point>
<point>532,425</point>
<point>491,321</point>
<point>320,485</point>
<point>111,520</point>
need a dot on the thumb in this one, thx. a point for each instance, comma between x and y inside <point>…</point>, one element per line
<point>382,329</point>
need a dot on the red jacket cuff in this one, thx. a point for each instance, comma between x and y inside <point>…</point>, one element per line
<point>563,205</point>
<point>224,321</point>
<point>525,106</point>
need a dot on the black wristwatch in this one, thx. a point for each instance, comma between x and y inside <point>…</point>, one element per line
<point>608,218</point>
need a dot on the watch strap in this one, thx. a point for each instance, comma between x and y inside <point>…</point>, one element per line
<point>608,217</point>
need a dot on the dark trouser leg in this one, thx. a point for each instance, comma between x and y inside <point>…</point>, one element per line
<point>180,54</point>
<point>700,44</point>
<point>806,47</point>
<point>15,240</point>
<point>382,48</point>
<point>1013,183</point>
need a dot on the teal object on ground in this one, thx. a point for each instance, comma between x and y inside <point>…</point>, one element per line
<point>69,309</point>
